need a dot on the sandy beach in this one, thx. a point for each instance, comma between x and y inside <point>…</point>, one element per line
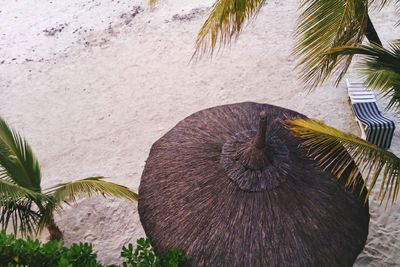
<point>92,84</point>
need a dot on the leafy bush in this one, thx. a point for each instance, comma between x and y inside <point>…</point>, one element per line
<point>144,256</point>
<point>173,258</point>
<point>33,253</point>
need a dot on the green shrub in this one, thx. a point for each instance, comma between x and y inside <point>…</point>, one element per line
<point>144,256</point>
<point>33,253</point>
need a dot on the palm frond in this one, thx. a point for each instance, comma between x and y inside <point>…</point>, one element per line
<point>380,67</point>
<point>17,161</point>
<point>19,208</point>
<point>90,186</point>
<point>225,21</point>
<point>21,215</point>
<point>323,25</point>
<point>11,191</point>
<point>336,150</point>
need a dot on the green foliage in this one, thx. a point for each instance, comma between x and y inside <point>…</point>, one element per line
<point>172,258</point>
<point>144,256</point>
<point>323,25</point>
<point>32,253</point>
<point>23,203</point>
<point>17,160</point>
<point>81,255</point>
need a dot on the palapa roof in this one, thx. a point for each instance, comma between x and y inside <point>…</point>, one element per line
<point>229,198</point>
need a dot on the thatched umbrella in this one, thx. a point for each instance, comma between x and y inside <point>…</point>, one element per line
<point>230,187</point>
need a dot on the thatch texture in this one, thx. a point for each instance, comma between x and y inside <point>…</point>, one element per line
<point>201,192</point>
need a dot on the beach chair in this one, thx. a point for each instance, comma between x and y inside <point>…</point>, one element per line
<point>375,128</point>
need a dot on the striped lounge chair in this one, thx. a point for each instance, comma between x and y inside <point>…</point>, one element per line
<point>375,128</point>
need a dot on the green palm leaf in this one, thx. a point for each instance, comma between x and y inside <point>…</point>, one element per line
<point>224,22</point>
<point>90,186</point>
<point>337,150</point>
<point>17,161</point>
<point>323,25</point>
<point>21,215</point>
<point>380,67</point>
<point>11,191</point>
<point>18,208</point>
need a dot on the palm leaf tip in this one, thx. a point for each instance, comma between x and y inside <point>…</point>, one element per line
<point>225,21</point>
<point>336,151</point>
<point>91,186</point>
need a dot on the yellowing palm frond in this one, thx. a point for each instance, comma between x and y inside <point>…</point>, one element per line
<point>336,150</point>
<point>90,186</point>
<point>17,160</point>
<point>225,21</point>
<point>380,67</point>
<point>323,25</point>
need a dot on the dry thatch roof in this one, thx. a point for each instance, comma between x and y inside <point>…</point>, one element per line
<point>226,198</point>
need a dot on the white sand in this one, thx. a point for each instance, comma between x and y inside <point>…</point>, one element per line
<point>92,84</point>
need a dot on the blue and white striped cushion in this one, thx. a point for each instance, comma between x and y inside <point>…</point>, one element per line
<point>379,128</point>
